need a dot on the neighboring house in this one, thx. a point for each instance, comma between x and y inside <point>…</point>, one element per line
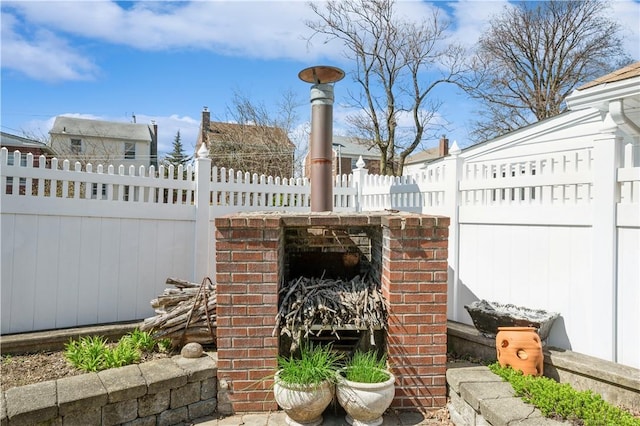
<point>415,163</point>
<point>346,152</point>
<point>25,146</point>
<point>260,149</point>
<point>105,142</point>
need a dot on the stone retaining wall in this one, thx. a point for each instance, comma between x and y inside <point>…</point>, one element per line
<point>481,398</point>
<point>161,392</point>
<point>617,384</point>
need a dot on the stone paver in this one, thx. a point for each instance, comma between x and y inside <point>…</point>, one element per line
<point>330,418</point>
<point>123,383</point>
<point>81,392</point>
<point>198,369</point>
<point>162,374</point>
<point>31,404</point>
<point>473,393</point>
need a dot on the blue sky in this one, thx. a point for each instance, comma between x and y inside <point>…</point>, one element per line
<point>165,60</point>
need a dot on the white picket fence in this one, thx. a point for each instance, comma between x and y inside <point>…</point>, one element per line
<point>557,231</point>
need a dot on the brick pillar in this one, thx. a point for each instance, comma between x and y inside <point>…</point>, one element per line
<point>247,252</point>
<point>414,282</point>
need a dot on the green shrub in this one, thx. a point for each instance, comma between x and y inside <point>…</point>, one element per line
<point>93,354</point>
<point>560,399</point>
<point>142,340</point>
<point>124,353</point>
<point>314,365</point>
<point>87,353</point>
<point>366,367</point>
<point>164,345</point>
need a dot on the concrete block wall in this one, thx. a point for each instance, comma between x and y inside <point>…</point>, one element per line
<point>161,392</point>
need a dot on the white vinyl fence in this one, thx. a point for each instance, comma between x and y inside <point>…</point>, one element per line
<point>549,230</point>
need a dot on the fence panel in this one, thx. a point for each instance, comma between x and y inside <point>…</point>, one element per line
<point>544,190</point>
<point>82,247</point>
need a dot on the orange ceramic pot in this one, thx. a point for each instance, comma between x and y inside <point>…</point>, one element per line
<point>520,348</point>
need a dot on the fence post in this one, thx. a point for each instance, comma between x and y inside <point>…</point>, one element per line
<point>607,156</point>
<point>203,234</point>
<point>452,175</point>
<point>358,181</point>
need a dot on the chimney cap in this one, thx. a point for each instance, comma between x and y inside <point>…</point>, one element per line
<point>321,74</point>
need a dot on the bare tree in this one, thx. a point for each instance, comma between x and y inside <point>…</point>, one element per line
<point>255,138</point>
<point>399,61</point>
<point>535,54</point>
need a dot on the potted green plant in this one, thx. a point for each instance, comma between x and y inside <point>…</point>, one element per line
<point>365,388</point>
<point>304,384</point>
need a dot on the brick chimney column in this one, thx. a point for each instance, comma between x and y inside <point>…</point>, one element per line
<point>206,123</point>
<point>154,144</point>
<point>443,148</point>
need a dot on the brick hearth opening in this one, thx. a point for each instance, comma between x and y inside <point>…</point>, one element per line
<point>255,255</point>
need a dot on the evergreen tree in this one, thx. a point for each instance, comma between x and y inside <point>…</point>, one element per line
<point>177,156</point>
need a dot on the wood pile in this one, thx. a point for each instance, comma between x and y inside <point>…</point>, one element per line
<point>313,304</point>
<point>184,314</point>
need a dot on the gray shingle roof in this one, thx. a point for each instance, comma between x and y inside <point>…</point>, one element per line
<point>110,129</point>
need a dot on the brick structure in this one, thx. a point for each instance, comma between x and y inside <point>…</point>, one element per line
<point>407,252</point>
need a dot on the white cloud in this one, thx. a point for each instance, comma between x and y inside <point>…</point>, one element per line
<point>471,18</point>
<point>252,28</point>
<point>627,14</point>
<point>44,56</point>
<point>169,126</point>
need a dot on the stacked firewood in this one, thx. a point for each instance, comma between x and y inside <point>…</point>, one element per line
<point>184,314</point>
<point>309,305</point>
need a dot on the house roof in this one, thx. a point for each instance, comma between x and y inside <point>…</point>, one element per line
<point>621,84</point>
<point>15,141</point>
<point>99,128</point>
<point>354,147</point>
<point>629,71</point>
<point>247,133</point>
<point>422,156</point>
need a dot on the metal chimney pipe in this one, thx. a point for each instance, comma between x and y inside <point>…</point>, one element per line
<point>321,151</point>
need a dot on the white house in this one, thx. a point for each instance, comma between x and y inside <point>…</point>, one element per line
<point>105,142</point>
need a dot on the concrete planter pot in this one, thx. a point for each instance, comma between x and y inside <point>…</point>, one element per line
<point>488,316</point>
<point>364,402</point>
<point>303,404</point>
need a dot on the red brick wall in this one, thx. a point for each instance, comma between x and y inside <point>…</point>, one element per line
<point>247,299</point>
<point>414,283</point>
<point>249,256</point>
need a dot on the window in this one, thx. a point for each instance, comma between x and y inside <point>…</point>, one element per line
<point>103,191</point>
<point>129,151</point>
<point>23,159</point>
<point>76,146</point>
